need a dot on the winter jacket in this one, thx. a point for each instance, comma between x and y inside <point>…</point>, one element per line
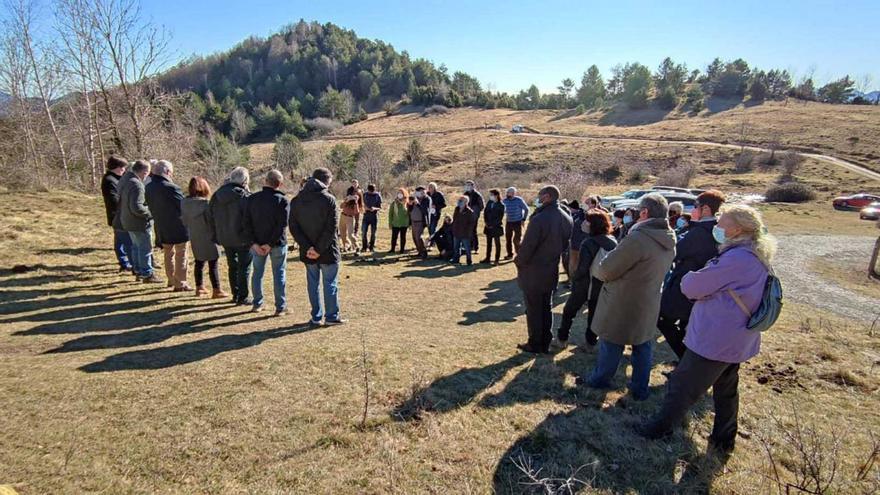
<point>692,252</point>
<point>439,202</point>
<point>398,216</point>
<point>227,205</point>
<point>476,202</point>
<point>577,233</point>
<point>110,192</point>
<point>589,248</point>
<point>442,238</point>
<point>516,209</point>
<point>717,327</point>
<point>134,215</point>
<point>422,207</point>
<point>314,221</point>
<point>265,217</point>
<point>195,215</point>
<point>359,193</point>
<point>463,222</point>
<point>372,200</point>
<point>629,302</point>
<point>350,206</point>
<point>493,218</point>
<point>546,237</point>
<point>164,198</point>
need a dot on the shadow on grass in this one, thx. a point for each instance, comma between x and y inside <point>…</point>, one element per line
<point>505,292</point>
<point>74,251</point>
<point>438,268</point>
<point>25,301</point>
<point>189,352</point>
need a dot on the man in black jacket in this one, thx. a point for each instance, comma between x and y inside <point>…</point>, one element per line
<point>314,219</point>
<point>372,206</point>
<point>537,263</point>
<point>692,251</point>
<point>438,202</point>
<point>110,192</point>
<point>265,224</point>
<point>225,211</point>
<point>164,198</point>
<point>476,204</point>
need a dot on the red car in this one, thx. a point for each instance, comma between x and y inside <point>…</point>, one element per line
<point>855,202</point>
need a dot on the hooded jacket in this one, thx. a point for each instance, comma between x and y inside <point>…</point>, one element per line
<point>226,208</point>
<point>589,248</point>
<point>633,273</point>
<point>196,217</point>
<point>314,219</point>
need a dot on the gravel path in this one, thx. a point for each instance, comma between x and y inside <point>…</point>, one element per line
<point>801,284</point>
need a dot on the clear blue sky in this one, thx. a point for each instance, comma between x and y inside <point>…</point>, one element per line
<point>510,45</point>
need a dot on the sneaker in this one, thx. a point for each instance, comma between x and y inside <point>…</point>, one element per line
<point>338,321</point>
<point>558,344</point>
<point>315,323</point>
<point>531,349</point>
<point>183,288</point>
<point>152,279</point>
<point>244,302</point>
<point>123,269</point>
<point>508,257</point>
<point>257,309</point>
<point>281,312</point>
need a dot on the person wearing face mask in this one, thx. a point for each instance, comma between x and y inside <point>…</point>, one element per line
<point>517,211</point>
<point>464,221</point>
<point>682,224</point>
<point>476,204</point>
<point>442,238</point>
<point>419,215</point>
<point>617,224</point>
<point>537,265</point>
<point>398,220</point>
<point>585,288</point>
<point>570,259</point>
<point>493,218</point>
<point>438,202</point>
<point>692,251</point>
<point>676,208</point>
<point>629,218</point>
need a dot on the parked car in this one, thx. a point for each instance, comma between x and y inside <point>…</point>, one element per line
<point>855,202</point>
<point>688,200</point>
<point>631,194</point>
<point>870,212</point>
<point>686,190</point>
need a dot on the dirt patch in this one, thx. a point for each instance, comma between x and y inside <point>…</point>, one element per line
<point>780,379</point>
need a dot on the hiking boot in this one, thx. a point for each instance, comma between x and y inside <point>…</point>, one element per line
<point>559,344</point>
<point>529,348</point>
<point>152,279</point>
<point>200,291</point>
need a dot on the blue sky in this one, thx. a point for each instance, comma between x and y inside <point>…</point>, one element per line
<point>510,45</point>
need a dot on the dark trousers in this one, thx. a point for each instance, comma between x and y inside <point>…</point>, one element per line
<point>688,382</point>
<point>432,224</point>
<point>513,235</point>
<point>581,292</point>
<point>239,261</point>
<point>475,239</point>
<point>370,223</point>
<point>539,318</point>
<point>213,273</point>
<point>673,331</point>
<point>395,233</point>
<point>489,241</point>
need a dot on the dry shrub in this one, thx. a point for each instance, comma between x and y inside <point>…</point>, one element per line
<point>678,176</point>
<point>745,162</point>
<point>790,192</point>
<point>790,162</point>
<point>435,110</point>
<point>638,173</point>
<point>846,378</point>
<point>610,173</point>
<point>322,125</point>
<point>572,182</point>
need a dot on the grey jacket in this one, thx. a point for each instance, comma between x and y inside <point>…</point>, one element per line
<point>629,302</point>
<point>195,215</point>
<point>546,237</point>
<point>134,215</point>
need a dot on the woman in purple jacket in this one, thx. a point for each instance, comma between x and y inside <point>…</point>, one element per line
<point>717,339</point>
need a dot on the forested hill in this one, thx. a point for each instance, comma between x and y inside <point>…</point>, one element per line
<point>307,70</point>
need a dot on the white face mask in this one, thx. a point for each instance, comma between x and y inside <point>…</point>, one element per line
<point>493,198</point>
<point>399,196</point>
<point>468,188</point>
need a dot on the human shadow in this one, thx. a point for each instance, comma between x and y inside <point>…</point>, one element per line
<point>438,268</point>
<point>74,251</point>
<point>188,352</point>
<point>505,292</point>
<point>73,311</point>
<point>25,301</point>
<point>62,273</point>
<point>113,322</point>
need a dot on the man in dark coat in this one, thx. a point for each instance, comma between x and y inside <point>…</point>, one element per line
<point>372,206</point>
<point>164,198</point>
<point>693,250</point>
<point>265,223</point>
<point>226,207</point>
<point>135,218</point>
<point>537,263</point>
<point>476,204</point>
<point>314,220</point>
<point>110,192</point>
<point>438,202</point>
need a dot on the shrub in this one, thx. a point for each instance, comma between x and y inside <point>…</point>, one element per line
<point>323,125</point>
<point>694,98</point>
<point>678,176</point>
<point>580,110</point>
<point>435,109</point>
<point>288,153</point>
<point>667,99</point>
<point>745,162</point>
<point>790,192</point>
<point>637,173</point>
<point>610,173</point>
<point>791,163</point>
<point>389,108</point>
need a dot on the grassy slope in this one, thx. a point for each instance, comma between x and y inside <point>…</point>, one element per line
<point>111,386</point>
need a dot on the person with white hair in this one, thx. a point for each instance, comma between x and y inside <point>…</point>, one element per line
<point>676,208</point>
<point>264,223</point>
<point>438,202</point>
<point>164,198</point>
<point>226,207</point>
<point>517,211</point>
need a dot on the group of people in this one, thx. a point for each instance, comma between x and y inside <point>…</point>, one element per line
<point>142,200</point>
<point>694,276</point>
<point>698,283</point>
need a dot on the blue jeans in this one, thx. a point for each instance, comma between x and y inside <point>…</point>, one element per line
<point>432,224</point>
<point>329,275</point>
<point>457,245</point>
<point>122,248</point>
<point>278,256</point>
<point>609,359</point>
<point>142,252</point>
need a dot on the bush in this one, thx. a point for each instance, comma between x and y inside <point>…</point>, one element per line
<point>694,98</point>
<point>610,173</point>
<point>637,173</point>
<point>389,108</point>
<point>323,125</point>
<point>287,154</point>
<point>667,99</point>
<point>791,163</point>
<point>745,162</point>
<point>790,192</point>
<point>435,109</point>
<point>580,109</point>
<point>678,176</point>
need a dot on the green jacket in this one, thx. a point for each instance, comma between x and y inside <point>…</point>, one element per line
<point>398,216</point>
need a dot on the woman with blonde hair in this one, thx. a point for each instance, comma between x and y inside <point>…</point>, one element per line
<point>727,290</point>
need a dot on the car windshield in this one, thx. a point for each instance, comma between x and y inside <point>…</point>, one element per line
<point>633,194</point>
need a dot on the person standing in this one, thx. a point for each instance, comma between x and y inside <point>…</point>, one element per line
<point>516,210</point>
<point>463,221</point>
<point>226,207</point>
<point>419,216</point>
<point>493,218</point>
<point>578,215</point>
<point>350,213</point>
<point>692,252</point>
<point>727,291</point>
<point>164,198</point>
<point>110,193</point>
<point>372,206</point>
<point>355,190</point>
<point>476,204</point>
<point>264,223</point>
<point>313,223</point>
<point>537,264</point>
<point>632,272</point>
<point>194,213</point>
<point>135,217</point>
<point>398,220</point>
<point>438,202</point>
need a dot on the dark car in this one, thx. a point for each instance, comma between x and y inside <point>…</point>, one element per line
<point>855,202</point>
<point>870,212</point>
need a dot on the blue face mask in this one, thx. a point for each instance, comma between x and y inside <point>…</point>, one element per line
<point>680,223</point>
<point>718,234</point>
<point>537,202</point>
<point>627,219</point>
